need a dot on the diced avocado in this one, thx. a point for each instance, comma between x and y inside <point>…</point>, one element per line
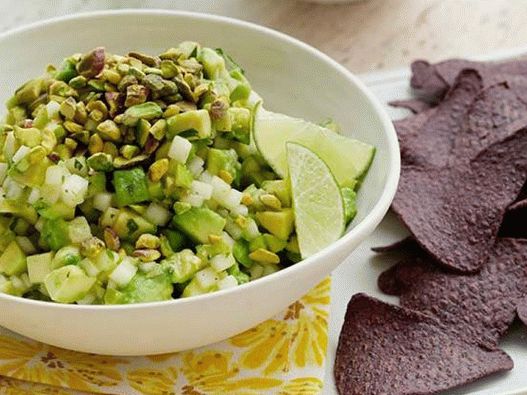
<point>182,266</point>
<point>155,190</point>
<point>279,188</point>
<point>349,197</point>
<point>213,63</point>
<point>130,186</point>
<point>292,245</point>
<point>182,176</point>
<point>13,260</point>
<point>193,289</point>
<point>274,244</point>
<point>241,122</point>
<point>141,289</point>
<point>55,211</point>
<point>68,284</point>
<point>5,224</point>
<point>39,266</point>
<point>241,251</point>
<point>129,225</point>
<point>6,238</point>
<point>240,90</point>
<point>224,160</point>
<point>69,255</point>
<point>240,276</point>
<point>55,233</point>
<point>164,247</point>
<point>28,136</point>
<point>15,115</point>
<point>19,209</point>
<point>199,223</point>
<point>96,184</point>
<point>206,251</point>
<point>31,170</point>
<point>257,243</point>
<point>197,120</point>
<point>278,223</point>
<point>19,225</point>
<point>8,288</point>
<point>177,240</point>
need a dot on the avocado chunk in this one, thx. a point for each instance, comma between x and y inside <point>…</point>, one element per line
<point>240,276</point>
<point>278,223</point>
<point>221,160</point>
<point>31,169</point>
<point>176,239</point>
<point>55,233</point>
<point>241,251</point>
<point>280,189</point>
<point>213,63</point>
<point>129,225</point>
<point>38,267</point>
<point>141,289</point>
<point>197,120</point>
<point>349,197</point>
<point>96,184</point>
<point>19,209</point>
<point>28,136</point>
<point>182,266</point>
<point>199,223</point>
<point>13,260</point>
<point>68,284</point>
<point>130,186</point>
<point>69,255</point>
<point>241,121</point>
<point>182,176</point>
<point>55,211</point>
<point>274,244</point>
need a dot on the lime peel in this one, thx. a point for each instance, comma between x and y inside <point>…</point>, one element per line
<point>348,159</point>
<point>317,200</point>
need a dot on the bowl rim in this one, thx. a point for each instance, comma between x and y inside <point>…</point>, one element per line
<point>364,227</point>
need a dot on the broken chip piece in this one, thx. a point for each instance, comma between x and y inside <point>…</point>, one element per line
<point>385,349</point>
<point>434,80</point>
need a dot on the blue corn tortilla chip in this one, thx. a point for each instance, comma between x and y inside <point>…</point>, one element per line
<point>427,139</point>
<point>468,120</point>
<point>496,112</point>
<point>478,308</point>
<point>427,80</point>
<point>385,349</point>
<point>434,80</point>
<point>454,213</point>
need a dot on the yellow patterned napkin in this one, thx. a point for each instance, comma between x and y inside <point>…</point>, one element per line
<point>284,355</point>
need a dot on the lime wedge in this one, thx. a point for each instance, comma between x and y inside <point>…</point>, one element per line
<point>317,201</point>
<point>347,158</point>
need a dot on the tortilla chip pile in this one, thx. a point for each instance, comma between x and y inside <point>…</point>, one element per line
<point>463,197</point>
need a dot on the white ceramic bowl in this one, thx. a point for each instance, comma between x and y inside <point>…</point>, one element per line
<point>293,78</point>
